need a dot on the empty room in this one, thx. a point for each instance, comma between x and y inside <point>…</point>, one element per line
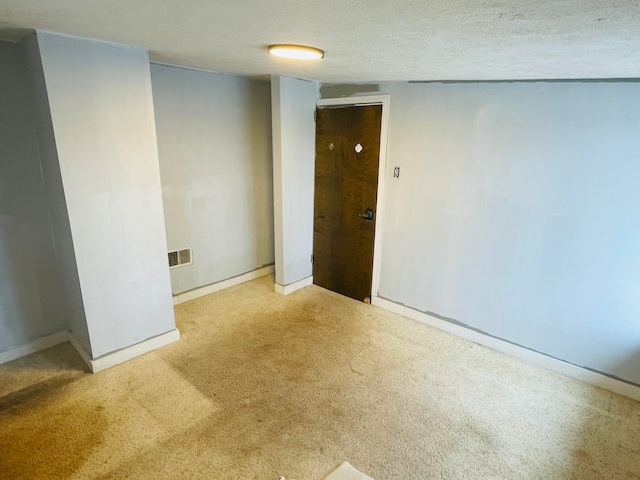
<point>335,241</point>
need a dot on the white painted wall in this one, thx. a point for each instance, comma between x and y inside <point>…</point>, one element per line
<point>214,143</point>
<point>516,213</point>
<point>31,299</point>
<point>102,113</point>
<point>293,103</point>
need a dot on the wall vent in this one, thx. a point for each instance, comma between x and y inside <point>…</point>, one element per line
<point>180,258</point>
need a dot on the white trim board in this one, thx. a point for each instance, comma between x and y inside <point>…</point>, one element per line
<point>384,100</point>
<point>120,356</point>
<point>83,352</point>
<point>34,346</point>
<point>216,287</point>
<point>95,365</point>
<point>545,361</point>
<point>292,287</point>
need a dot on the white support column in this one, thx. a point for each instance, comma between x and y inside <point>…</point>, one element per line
<point>293,104</point>
<point>104,181</point>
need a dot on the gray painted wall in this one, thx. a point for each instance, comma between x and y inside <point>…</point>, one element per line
<point>294,136</point>
<point>516,213</point>
<point>31,300</point>
<point>214,143</point>
<point>55,198</point>
<point>102,113</point>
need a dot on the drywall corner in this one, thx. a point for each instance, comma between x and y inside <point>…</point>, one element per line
<point>51,174</point>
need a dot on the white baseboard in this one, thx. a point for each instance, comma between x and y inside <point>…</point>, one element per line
<point>95,365</point>
<point>82,351</point>
<point>292,287</point>
<point>216,287</point>
<point>34,346</point>
<point>111,359</point>
<point>545,361</point>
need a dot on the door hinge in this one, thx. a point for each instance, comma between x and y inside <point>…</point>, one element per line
<point>315,115</point>
<point>312,258</point>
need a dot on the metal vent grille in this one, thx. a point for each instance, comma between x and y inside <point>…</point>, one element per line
<point>173,259</point>
<point>178,258</point>
<point>185,256</point>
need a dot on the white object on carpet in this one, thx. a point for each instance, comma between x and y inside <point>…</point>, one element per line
<point>346,472</point>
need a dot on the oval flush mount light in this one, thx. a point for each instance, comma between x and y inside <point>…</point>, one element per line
<point>296,52</point>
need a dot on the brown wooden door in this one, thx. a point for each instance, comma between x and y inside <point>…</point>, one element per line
<point>346,185</point>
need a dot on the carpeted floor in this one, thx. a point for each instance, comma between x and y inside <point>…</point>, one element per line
<point>263,385</point>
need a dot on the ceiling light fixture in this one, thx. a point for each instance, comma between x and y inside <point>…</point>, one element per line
<point>296,52</point>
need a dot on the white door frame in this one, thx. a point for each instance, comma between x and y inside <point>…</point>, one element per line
<point>383,100</point>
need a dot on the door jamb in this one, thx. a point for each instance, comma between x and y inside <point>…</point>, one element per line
<point>382,99</point>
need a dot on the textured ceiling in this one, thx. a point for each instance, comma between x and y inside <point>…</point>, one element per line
<point>364,40</point>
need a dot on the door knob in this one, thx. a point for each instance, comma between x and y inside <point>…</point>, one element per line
<point>367,215</point>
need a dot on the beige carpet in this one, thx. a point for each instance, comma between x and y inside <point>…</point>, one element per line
<point>263,385</point>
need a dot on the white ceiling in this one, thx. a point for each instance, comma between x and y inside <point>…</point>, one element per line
<point>364,40</point>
